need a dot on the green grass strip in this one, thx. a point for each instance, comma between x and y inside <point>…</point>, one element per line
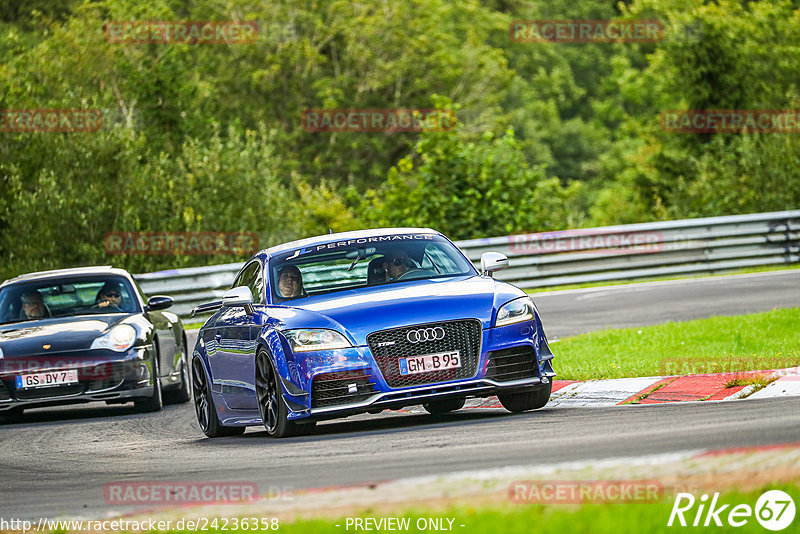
<point>616,517</point>
<point>766,340</point>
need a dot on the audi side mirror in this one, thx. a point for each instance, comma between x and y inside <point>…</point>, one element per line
<point>239,296</point>
<point>491,262</point>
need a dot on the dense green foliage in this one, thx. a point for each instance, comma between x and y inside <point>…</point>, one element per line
<point>549,136</point>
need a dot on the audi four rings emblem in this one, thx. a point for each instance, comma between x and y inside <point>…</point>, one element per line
<point>425,334</point>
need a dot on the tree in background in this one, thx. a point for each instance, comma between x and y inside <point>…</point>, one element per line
<point>550,135</point>
<point>470,189</point>
<point>722,55</point>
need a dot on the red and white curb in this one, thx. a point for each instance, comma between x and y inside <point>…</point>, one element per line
<point>661,389</point>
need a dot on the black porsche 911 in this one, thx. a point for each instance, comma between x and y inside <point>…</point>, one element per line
<point>88,334</point>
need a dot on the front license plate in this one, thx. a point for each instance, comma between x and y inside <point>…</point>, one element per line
<point>54,378</point>
<point>430,362</point>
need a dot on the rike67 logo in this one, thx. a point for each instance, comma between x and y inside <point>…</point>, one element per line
<point>774,510</point>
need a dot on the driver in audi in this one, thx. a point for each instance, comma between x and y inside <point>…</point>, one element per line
<point>396,264</point>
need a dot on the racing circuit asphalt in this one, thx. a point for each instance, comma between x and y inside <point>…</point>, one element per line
<point>57,462</point>
<point>576,311</point>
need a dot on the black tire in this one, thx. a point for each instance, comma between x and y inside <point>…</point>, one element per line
<point>184,392</point>
<point>14,415</point>
<point>274,412</point>
<point>444,406</point>
<point>156,402</point>
<point>528,400</point>
<point>204,406</point>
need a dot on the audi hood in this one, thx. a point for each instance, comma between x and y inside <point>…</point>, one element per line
<point>358,312</point>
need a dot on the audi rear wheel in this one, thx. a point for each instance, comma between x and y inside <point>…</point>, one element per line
<point>204,406</point>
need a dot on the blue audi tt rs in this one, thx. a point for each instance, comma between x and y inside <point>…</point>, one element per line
<point>364,321</point>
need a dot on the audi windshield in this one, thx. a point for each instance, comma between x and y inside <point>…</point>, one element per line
<point>364,262</point>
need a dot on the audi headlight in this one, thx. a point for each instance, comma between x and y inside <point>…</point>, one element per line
<point>120,338</point>
<point>516,311</point>
<point>305,340</point>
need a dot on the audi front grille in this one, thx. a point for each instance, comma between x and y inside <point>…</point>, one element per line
<point>388,347</point>
<point>342,387</point>
<point>515,363</point>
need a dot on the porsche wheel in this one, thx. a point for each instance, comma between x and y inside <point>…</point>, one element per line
<point>204,406</point>
<point>529,400</point>
<point>444,406</point>
<point>183,393</point>
<point>274,412</point>
<point>14,415</point>
<point>156,402</point>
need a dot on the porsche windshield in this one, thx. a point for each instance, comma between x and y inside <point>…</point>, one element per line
<point>64,297</point>
<point>363,262</point>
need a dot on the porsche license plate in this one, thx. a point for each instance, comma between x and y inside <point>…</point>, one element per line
<point>428,363</point>
<point>54,378</point>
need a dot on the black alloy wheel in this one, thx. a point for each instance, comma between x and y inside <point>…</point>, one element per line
<point>274,412</point>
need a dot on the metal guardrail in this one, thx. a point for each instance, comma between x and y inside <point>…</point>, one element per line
<point>626,252</point>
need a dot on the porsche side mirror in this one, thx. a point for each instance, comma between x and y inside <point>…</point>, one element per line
<point>492,261</point>
<point>239,296</point>
<point>159,302</point>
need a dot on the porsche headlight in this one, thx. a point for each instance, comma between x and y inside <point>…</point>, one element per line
<point>305,340</point>
<point>516,311</point>
<point>120,338</point>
